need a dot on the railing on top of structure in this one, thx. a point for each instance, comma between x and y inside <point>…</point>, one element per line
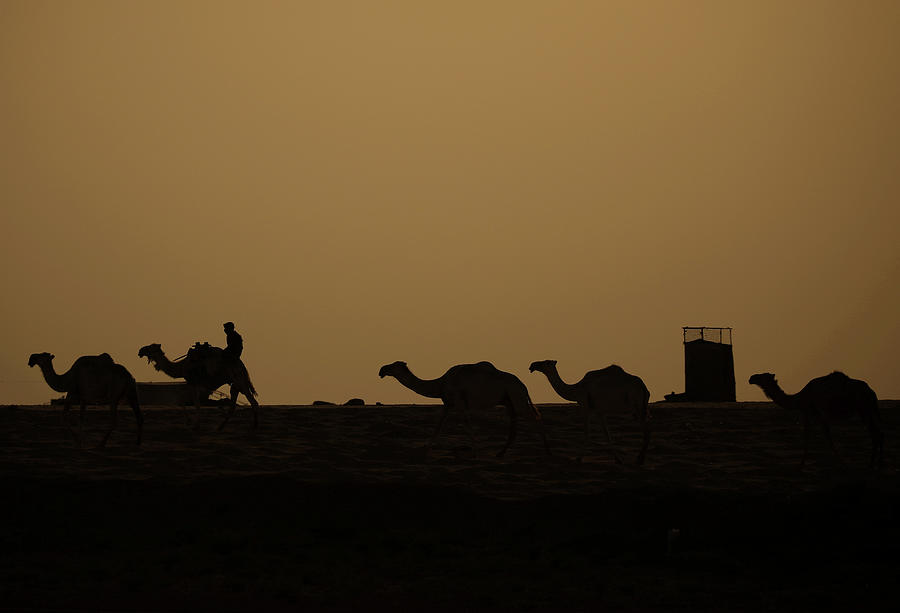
<point>707,333</point>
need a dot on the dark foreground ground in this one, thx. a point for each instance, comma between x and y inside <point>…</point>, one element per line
<point>338,509</point>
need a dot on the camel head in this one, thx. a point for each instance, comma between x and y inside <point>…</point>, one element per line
<point>542,366</point>
<point>40,358</point>
<point>767,382</point>
<point>392,369</point>
<point>763,379</point>
<point>152,352</point>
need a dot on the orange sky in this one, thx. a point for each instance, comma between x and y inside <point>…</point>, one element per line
<point>354,183</point>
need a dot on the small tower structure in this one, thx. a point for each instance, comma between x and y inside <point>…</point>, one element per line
<point>708,364</point>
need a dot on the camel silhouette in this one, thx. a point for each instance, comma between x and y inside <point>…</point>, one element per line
<point>607,389</point>
<point>92,379</point>
<point>477,387</point>
<point>833,396</point>
<point>205,371</point>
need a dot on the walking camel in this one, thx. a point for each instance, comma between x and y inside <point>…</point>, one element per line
<point>205,370</point>
<point>92,379</point>
<point>607,389</point>
<point>471,387</point>
<point>832,396</point>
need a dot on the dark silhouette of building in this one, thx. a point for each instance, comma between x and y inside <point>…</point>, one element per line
<point>708,365</point>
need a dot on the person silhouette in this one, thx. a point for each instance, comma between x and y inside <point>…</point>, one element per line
<point>234,343</point>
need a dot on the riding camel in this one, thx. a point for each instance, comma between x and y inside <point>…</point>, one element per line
<point>607,389</point>
<point>468,387</point>
<point>92,379</point>
<point>833,396</point>
<point>205,369</point>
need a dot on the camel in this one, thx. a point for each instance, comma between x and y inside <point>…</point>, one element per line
<point>471,387</point>
<point>92,378</point>
<point>610,388</point>
<point>832,396</point>
<point>205,370</point>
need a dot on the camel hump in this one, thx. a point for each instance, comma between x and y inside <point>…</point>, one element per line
<point>837,387</point>
<point>103,360</point>
<point>471,369</point>
<point>613,370</point>
<point>832,381</point>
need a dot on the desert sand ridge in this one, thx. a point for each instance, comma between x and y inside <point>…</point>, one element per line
<point>338,509</point>
<point>727,445</point>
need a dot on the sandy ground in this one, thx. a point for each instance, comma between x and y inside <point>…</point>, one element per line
<point>339,508</point>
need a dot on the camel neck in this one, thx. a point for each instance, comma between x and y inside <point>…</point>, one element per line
<point>430,388</point>
<point>58,383</point>
<point>559,386</point>
<point>173,369</point>
<point>779,396</point>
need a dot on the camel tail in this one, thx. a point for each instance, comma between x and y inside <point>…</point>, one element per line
<point>866,401</point>
<point>870,401</point>
<point>542,427</point>
<point>872,397</point>
<point>524,391</point>
<point>131,393</point>
<point>135,403</point>
<point>537,411</point>
<point>250,385</point>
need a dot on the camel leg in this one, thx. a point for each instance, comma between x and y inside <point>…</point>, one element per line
<point>184,408</point>
<point>254,406</point>
<point>468,422</point>
<point>805,439</point>
<point>871,422</point>
<point>879,437</point>
<point>827,428</point>
<point>512,430</point>
<point>462,402</point>
<point>542,429</point>
<point>590,407</point>
<point>646,428</point>
<point>609,440</point>
<point>67,421</point>
<point>234,395</point>
<point>877,459</point>
<point>114,418</point>
<point>437,430</point>
<point>586,441</point>
<point>198,414</point>
<point>138,418</point>
<point>81,423</point>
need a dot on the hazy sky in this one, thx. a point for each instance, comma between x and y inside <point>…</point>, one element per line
<point>354,183</point>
